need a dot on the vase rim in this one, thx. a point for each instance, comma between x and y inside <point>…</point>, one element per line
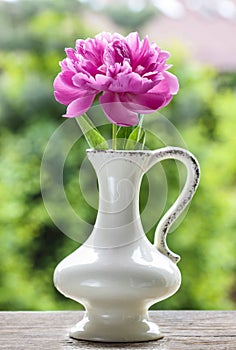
<point>117,151</point>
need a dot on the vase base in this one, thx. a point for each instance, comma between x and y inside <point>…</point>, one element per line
<point>136,331</point>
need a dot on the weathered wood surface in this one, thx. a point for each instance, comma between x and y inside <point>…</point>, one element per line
<point>198,330</point>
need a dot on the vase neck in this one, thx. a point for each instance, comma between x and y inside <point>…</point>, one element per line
<point>119,177</point>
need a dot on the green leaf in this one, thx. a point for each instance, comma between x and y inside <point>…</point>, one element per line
<point>143,140</point>
<point>92,135</point>
<point>135,139</point>
<point>122,136</point>
<point>152,141</point>
<point>114,133</point>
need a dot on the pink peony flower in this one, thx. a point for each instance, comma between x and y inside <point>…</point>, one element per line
<point>130,76</point>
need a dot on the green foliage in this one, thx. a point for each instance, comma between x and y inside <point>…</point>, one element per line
<point>206,238</point>
<point>91,134</point>
<point>131,20</point>
<point>136,139</point>
<point>30,244</point>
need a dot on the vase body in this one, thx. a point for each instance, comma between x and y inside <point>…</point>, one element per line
<point>117,274</point>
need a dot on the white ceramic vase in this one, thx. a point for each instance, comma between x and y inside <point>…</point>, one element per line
<point>117,274</point>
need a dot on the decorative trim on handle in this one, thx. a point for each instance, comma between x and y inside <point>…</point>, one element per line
<point>190,187</point>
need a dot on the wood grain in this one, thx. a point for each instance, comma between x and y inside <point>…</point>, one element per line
<point>198,330</point>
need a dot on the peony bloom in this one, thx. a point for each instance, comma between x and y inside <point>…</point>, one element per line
<point>129,75</point>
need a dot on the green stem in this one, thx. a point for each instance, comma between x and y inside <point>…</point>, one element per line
<point>140,126</point>
<point>114,132</point>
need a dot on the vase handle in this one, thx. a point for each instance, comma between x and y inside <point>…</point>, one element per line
<point>190,187</point>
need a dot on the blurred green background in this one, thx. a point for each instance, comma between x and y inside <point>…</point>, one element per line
<point>33,35</point>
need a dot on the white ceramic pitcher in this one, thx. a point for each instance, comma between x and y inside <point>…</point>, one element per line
<point>117,274</point>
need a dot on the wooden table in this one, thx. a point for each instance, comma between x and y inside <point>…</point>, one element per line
<point>197,330</point>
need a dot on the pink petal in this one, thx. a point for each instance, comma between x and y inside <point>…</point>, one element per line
<point>83,81</point>
<point>65,92</point>
<point>130,82</point>
<point>116,112</point>
<point>79,106</point>
<point>70,53</point>
<point>169,85</point>
<point>89,83</point>
<point>126,83</point>
<point>133,42</point>
<point>163,56</point>
<point>143,103</point>
<point>101,81</point>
